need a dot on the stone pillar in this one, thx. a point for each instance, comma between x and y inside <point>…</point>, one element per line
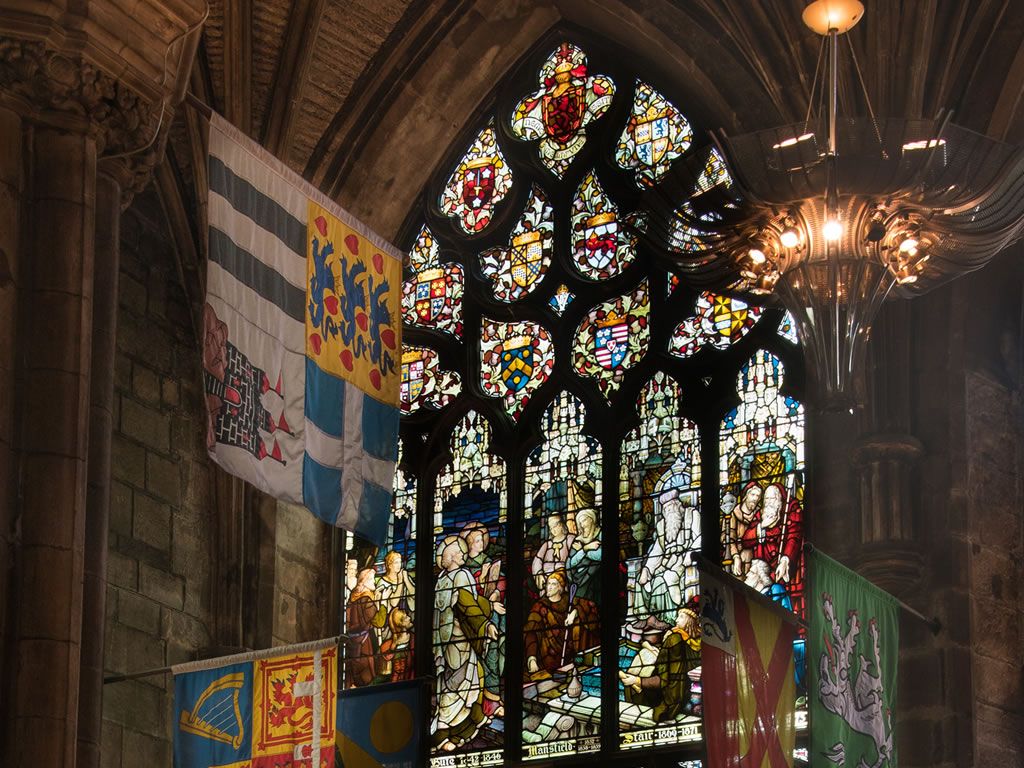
<point>11,189</point>
<point>57,353</point>
<point>104,330</point>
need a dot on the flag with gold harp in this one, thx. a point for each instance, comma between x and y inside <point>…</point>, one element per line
<point>302,346</point>
<point>272,708</point>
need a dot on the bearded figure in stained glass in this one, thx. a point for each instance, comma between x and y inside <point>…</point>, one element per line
<point>668,575</point>
<point>567,100</point>
<point>775,538</point>
<point>462,633</point>
<point>486,569</point>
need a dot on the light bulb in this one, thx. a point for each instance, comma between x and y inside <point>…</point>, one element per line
<point>757,256</point>
<point>832,230</point>
<point>909,245</point>
<point>789,237</point>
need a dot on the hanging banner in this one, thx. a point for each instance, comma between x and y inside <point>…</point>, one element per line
<point>853,650</point>
<point>302,345</point>
<point>747,679</point>
<point>258,710</point>
<point>382,726</point>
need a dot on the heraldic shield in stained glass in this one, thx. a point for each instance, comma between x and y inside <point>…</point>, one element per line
<point>719,321</point>
<point>423,381</point>
<point>601,249</point>
<point>515,359</point>
<point>469,621</point>
<point>380,595</point>
<point>659,530</point>
<point>562,551</point>
<point>516,270</point>
<point>568,99</point>
<point>655,135</point>
<point>612,338</point>
<point>432,296</point>
<point>479,182</point>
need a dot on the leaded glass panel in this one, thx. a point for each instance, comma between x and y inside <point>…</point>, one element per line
<point>613,338</point>
<point>718,321</point>
<point>602,248</point>
<point>480,181</point>
<point>516,270</point>
<point>655,135</point>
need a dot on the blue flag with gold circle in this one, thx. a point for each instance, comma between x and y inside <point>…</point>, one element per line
<point>382,726</point>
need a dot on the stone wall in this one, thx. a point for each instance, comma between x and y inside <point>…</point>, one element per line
<point>158,568</point>
<point>172,595</point>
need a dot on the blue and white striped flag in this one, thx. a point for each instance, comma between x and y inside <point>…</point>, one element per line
<point>302,343</point>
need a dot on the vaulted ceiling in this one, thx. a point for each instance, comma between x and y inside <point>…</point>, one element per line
<point>364,97</point>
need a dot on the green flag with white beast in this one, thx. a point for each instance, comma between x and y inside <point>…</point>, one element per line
<point>853,649</point>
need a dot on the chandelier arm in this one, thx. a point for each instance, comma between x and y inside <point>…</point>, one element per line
<point>814,85</point>
<point>864,89</point>
<point>1010,170</point>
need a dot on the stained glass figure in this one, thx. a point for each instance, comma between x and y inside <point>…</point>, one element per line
<point>655,135</point>
<point>601,249</point>
<point>714,173</point>
<point>479,182</point>
<point>568,99</point>
<point>516,270</point>
<point>562,549</point>
<point>380,596</point>
<point>787,328</point>
<point>719,321</point>
<point>423,381</point>
<point>515,359</point>
<point>659,531</point>
<point>612,338</point>
<point>762,493</point>
<point>432,296</point>
<point>561,299</point>
<point>469,604</point>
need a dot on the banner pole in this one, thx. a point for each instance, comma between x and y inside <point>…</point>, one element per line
<point>223,661</point>
<point>933,623</point>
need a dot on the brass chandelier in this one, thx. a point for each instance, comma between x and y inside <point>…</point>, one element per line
<point>836,214</point>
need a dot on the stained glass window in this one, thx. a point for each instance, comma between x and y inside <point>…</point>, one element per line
<point>659,531</point>
<point>684,236</point>
<point>719,321</point>
<point>479,182</point>
<point>601,248</point>
<point>562,551</point>
<point>469,601</point>
<point>516,270</point>
<point>567,100</point>
<point>612,338</point>
<point>561,298</point>
<point>423,382</point>
<point>515,359</point>
<point>432,296</point>
<point>595,651</point>
<point>655,135</point>
<point>380,596</point>
<point>761,459</point>
<point>787,328</point>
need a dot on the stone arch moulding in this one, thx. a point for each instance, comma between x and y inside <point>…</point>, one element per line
<point>384,144</point>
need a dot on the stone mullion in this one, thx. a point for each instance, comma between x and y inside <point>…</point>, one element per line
<point>104,327</point>
<point>56,357</point>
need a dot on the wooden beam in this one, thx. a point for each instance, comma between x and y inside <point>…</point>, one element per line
<point>238,63</point>
<point>292,69</point>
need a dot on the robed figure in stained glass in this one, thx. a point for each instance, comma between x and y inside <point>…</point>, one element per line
<point>775,537</point>
<point>669,685</point>
<point>463,631</point>
<point>558,626</point>
<point>668,576</point>
<point>364,619</point>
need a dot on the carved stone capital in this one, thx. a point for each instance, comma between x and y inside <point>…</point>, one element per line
<point>69,93</point>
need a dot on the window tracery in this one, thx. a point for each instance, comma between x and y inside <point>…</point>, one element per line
<point>574,421</point>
